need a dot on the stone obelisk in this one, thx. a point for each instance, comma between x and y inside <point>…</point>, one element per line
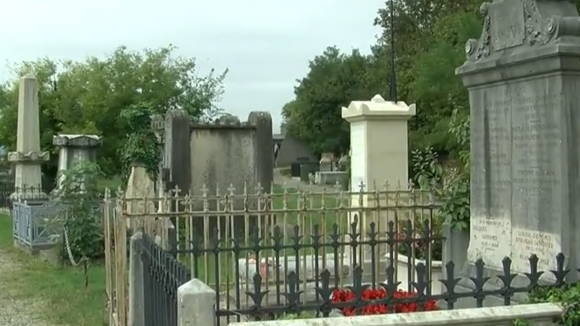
<point>28,157</point>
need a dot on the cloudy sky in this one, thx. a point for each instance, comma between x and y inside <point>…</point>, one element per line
<point>265,44</point>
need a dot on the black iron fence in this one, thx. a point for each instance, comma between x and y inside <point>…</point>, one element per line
<point>291,275</point>
<point>162,276</point>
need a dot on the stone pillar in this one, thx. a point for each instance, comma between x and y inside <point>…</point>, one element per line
<point>28,157</point>
<point>522,75</point>
<point>379,155</point>
<point>136,282</point>
<point>196,303</point>
<point>74,149</point>
<point>379,142</point>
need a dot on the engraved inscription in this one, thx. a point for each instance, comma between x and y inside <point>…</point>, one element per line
<point>544,245</point>
<point>518,184</point>
<point>507,27</point>
<point>490,240</point>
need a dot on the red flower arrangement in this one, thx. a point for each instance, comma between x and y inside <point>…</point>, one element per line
<point>377,309</point>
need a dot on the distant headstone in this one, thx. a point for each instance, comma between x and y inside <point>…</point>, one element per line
<point>28,157</point>
<point>523,76</point>
<point>326,162</point>
<point>293,149</point>
<point>74,149</point>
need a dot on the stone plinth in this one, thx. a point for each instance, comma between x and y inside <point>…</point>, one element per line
<point>28,157</point>
<point>523,76</point>
<point>74,149</point>
<point>379,141</point>
<point>379,151</point>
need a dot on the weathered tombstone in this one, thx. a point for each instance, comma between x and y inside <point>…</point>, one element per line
<point>74,149</point>
<point>326,162</point>
<point>523,76</point>
<point>343,163</point>
<point>28,157</point>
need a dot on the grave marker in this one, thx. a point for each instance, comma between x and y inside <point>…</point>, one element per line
<point>523,76</point>
<point>28,157</point>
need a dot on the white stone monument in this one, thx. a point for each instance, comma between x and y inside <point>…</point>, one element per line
<point>74,149</point>
<point>379,151</point>
<point>28,158</point>
<point>379,142</point>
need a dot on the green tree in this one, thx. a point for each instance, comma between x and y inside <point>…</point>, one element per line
<point>89,96</point>
<point>429,44</point>
<point>334,80</point>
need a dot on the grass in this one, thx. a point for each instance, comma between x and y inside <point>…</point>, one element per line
<point>66,300</point>
<point>111,183</point>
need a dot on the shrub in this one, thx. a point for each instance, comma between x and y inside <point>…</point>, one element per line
<point>416,232</point>
<point>79,192</point>
<point>339,296</point>
<point>568,296</point>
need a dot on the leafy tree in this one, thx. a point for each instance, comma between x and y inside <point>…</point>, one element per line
<point>334,80</point>
<point>89,96</point>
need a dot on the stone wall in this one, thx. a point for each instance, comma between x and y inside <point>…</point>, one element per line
<point>219,154</point>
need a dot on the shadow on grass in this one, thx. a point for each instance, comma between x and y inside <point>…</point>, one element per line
<point>67,301</point>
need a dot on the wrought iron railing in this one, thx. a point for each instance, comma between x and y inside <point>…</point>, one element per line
<point>286,281</point>
<point>162,276</point>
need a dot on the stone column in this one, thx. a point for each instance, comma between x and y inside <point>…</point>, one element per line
<point>379,151</point>
<point>28,157</point>
<point>74,149</point>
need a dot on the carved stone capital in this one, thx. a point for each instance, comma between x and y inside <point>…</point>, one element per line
<point>77,140</point>
<point>28,157</point>
<point>511,27</point>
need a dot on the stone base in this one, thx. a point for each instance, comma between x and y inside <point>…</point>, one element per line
<point>29,196</point>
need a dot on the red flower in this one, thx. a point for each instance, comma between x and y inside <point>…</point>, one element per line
<point>339,296</point>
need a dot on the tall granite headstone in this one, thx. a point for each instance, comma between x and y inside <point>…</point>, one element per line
<point>523,77</point>
<point>28,157</point>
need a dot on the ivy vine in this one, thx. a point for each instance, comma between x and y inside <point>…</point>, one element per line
<point>141,146</point>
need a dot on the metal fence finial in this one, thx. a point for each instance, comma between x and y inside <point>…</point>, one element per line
<point>231,189</point>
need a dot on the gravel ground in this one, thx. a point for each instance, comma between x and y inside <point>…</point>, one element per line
<point>16,311</point>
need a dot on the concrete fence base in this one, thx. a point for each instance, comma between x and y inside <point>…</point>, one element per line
<point>196,304</point>
<point>541,314</point>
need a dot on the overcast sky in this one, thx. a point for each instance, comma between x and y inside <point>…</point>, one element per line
<point>265,44</point>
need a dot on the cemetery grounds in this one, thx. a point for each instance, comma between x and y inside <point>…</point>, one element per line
<point>36,293</point>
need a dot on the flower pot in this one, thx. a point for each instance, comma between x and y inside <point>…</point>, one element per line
<point>403,270</point>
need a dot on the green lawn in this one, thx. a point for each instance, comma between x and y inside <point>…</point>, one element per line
<point>67,300</point>
<point>111,183</point>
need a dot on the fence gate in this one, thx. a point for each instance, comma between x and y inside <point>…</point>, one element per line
<point>116,280</point>
<point>162,276</point>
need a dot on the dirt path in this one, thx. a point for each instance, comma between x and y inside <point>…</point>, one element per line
<point>16,311</point>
